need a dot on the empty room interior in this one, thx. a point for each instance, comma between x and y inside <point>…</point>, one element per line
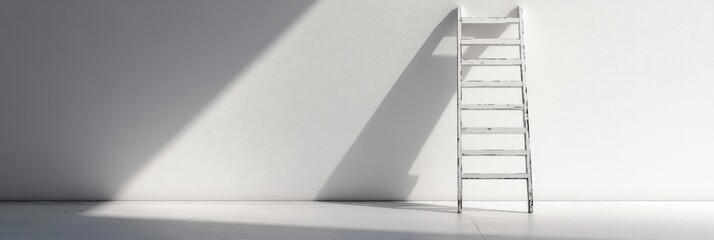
<point>338,119</point>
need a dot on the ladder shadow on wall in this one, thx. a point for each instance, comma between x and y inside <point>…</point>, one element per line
<point>377,165</point>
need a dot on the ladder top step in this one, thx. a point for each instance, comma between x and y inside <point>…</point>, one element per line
<point>490,41</point>
<point>492,84</point>
<point>494,130</point>
<point>492,107</point>
<point>494,176</point>
<point>491,62</point>
<point>493,152</point>
<point>490,20</point>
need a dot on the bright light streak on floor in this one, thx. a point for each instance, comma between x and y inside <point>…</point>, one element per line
<point>356,220</point>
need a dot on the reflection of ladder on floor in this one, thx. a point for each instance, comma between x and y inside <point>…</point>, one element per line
<point>462,41</point>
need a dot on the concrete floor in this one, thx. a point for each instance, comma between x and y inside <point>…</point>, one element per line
<point>356,220</point>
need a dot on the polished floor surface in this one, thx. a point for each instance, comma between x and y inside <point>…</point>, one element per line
<point>356,220</point>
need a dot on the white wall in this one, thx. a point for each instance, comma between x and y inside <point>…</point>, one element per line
<point>300,100</point>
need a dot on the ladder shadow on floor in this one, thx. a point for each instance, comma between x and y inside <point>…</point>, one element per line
<point>408,206</point>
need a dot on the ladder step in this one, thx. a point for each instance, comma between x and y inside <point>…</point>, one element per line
<point>494,152</point>
<point>490,62</point>
<point>495,130</point>
<point>490,41</point>
<point>492,84</point>
<point>494,176</point>
<point>489,20</point>
<point>492,107</point>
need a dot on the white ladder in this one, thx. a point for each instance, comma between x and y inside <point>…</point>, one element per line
<point>461,41</point>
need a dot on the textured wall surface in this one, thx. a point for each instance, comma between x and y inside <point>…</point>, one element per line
<point>317,99</point>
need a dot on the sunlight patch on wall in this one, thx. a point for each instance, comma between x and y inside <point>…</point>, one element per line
<point>291,114</point>
<point>234,126</point>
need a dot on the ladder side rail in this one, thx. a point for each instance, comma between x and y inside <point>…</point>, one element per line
<point>459,168</point>
<point>529,181</point>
